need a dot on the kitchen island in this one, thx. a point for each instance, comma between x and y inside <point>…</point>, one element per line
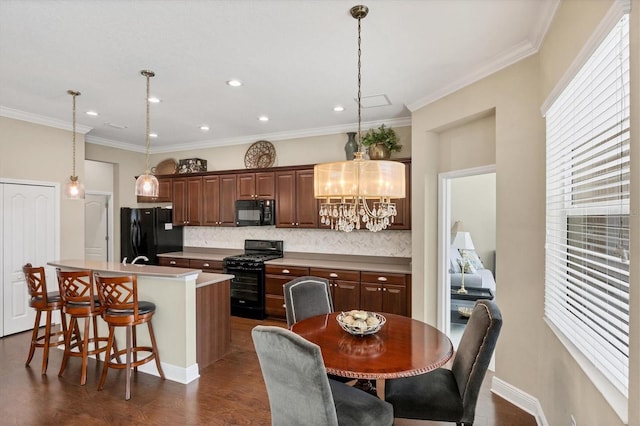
<point>192,318</point>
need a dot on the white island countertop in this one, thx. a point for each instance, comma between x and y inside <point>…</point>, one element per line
<point>119,268</point>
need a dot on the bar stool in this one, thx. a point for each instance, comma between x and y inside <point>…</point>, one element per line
<point>77,291</point>
<point>119,297</point>
<point>43,301</point>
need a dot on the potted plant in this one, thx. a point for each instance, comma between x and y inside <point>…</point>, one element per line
<point>381,142</point>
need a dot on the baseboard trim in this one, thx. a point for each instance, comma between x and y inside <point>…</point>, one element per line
<point>520,399</point>
<point>172,372</point>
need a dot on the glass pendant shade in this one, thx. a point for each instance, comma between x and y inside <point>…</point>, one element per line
<point>147,185</point>
<point>74,189</point>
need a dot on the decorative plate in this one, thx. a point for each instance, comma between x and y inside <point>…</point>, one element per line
<point>166,167</point>
<point>361,323</point>
<point>261,154</point>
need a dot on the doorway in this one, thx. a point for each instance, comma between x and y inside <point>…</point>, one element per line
<point>448,319</point>
<point>98,223</point>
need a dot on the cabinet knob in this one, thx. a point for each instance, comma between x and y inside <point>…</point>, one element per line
<point>333,275</point>
<point>286,271</point>
<point>205,264</point>
<point>379,289</point>
<point>383,279</point>
<point>384,289</point>
<point>173,262</point>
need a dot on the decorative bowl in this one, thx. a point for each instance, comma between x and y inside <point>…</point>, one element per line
<point>361,323</point>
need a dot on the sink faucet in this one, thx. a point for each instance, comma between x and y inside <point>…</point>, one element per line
<point>124,261</point>
<point>145,258</point>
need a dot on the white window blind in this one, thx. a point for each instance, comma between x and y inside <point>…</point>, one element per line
<point>587,216</point>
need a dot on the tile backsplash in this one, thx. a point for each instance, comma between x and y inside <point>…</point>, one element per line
<point>384,243</point>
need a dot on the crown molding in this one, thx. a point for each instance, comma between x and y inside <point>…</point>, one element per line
<point>17,114</point>
<point>544,23</point>
<point>114,144</point>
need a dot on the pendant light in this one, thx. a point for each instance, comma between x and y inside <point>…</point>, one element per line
<point>74,189</point>
<point>147,184</point>
<point>345,186</point>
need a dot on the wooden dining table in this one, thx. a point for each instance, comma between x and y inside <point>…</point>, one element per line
<point>402,347</point>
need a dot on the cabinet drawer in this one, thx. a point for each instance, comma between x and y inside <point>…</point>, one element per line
<point>178,262</point>
<point>274,285</point>
<point>383,278</point>
<point>335,274</point>
<point>274,306</point>
<point>292,271</point>
<point>206,264</point>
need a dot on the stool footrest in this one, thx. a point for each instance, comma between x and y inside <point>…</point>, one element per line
<point>134,351</point>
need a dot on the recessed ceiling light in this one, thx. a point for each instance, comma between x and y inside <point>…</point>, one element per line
<point>154,100</point>
<point>153,135</point>
<point>234,83</point>
<point>92,113</point>
<point>263,118</point>
<point>204,128</point>
<point>338,108</point>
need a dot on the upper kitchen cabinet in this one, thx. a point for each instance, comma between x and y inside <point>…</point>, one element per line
<point>296,206</point>
<point>187,201</point>
<point>219,200</point>
<point>260,186</point>
<point>403,205</point>
<point>164,192</point>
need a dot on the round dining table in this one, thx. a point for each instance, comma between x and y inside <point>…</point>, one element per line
<point>402,347</point>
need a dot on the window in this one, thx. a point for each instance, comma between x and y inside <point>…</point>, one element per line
<point>587,216</point>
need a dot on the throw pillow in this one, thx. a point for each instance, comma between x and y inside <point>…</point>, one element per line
<point>474,259</point>
<point>454,261</point>
<point>468,266</point>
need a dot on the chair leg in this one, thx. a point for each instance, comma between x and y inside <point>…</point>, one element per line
<point>155,350</point>
<point>127,390</point>
<point>96,342</point>
<point>107,360</point>
<point>34,337</point>
<point>67,344</point>
<point>47,339</point>
<point>134,345</point>
<point>85,351</point>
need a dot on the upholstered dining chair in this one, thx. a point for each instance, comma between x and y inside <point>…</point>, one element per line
<point>301,393</point>
<point>451,395</point>
<point>306,297</point>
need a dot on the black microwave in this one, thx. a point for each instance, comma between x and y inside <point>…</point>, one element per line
<point>255,212</point>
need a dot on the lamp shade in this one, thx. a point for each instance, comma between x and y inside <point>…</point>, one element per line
<point>74,189</point>
<point>147,185</point>
<point>463,241</point>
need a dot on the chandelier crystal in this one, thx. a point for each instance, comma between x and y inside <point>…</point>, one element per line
<point>359,191</point>
<point>147,184</point>
<point>74,189</point>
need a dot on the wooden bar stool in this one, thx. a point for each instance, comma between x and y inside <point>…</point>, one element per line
<point>119,297</point>
<point>43,301</point>
<point>77,291</point>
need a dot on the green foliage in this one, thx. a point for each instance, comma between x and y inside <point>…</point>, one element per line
<point>382,134</point>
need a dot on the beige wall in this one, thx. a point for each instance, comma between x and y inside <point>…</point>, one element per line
<point>528,356</point>
<point>99,176</point>
<point>34,152</point>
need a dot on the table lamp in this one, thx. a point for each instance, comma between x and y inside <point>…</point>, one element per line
<point>463,242</point>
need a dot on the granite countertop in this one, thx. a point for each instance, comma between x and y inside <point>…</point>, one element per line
<point>355,264</point>
<point>217,254</point>
<point>119,268</point>
<point>206,278</point>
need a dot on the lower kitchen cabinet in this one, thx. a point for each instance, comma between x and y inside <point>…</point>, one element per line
<point>381,292</point>
<point>214,266</point>
<point>276,277</point>
<point>345,287</point>
<point>176,262</point>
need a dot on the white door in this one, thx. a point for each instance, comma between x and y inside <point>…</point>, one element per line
<point>95,227</point>
<point>28,236</point>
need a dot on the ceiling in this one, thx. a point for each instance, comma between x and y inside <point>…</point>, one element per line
<point>297,59</point>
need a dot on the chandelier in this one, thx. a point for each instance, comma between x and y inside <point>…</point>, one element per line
<point>147,184</point>
<point>359,191</point>
<point>74,189</point>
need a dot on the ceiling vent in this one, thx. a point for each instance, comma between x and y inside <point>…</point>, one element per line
<point>374,101</point>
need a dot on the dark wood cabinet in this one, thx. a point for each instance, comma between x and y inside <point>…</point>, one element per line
<point>164,192</point>
<point>403,205</point>
<point>296,206</point>
<point>219,200</point>
<point>214,266</point>
<point>176,262</point>
<point>187,201</point>
<point>256,186</point>
<point>384,292</point>
<point>276,277</point>
<point>345,287</point>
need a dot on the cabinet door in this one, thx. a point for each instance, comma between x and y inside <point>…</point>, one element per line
<point>265,188</point>
<point>176,262</point>
<point>228,200</point>
<point>403,205</point>
<point>346,295</point>
<point>179,199</point>
<point>210,201</point>
<point>285,199</point>
<point>371,297</point>
<point>394,299</point>
<point>246,186</point>
<point>194,201</point>
<point>306,204</point>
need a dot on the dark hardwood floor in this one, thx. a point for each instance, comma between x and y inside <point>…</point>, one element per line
<point>229,392</point>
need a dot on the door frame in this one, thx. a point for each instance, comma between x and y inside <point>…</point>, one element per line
<point>110,221</point>
<point>444,239</point>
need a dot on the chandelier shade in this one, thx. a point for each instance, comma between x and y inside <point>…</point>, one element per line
<point>74,189</point>
<point>147,185</point>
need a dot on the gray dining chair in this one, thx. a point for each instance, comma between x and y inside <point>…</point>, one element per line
<point>306,297</point>
<point>451,394</point>
<point>300,393</point>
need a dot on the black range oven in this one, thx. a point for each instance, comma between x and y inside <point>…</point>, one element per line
<point>247,287</point>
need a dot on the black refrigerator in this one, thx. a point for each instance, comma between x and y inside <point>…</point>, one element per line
<point>148,232</point>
